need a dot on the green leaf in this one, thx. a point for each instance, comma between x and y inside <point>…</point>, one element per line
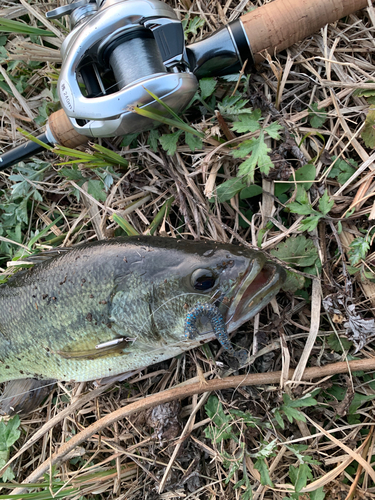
<point>304,402</point>
<point>229,188</point>
<point>251,191</point>
<point>325,203</point>
<point>267,450</point>
<point>71,173</point>
<point>273,130</point>
<point>342,170</point>
<point>300,475</point>
<point>365,92</point>
<point>248,122</point>
<point>262,467</point>
<point>368,132</point>
<point>298,251</point>
<point>311,222</point>
<point>248,214</point>
<point>9,432</point>
<point>301,208</point>
<point>128,139</point>
<point>293,414</point>
<point>293,282</point>
<point>207,87</point>
<point>358,249</point>
<point>153,140</point>
<point>243,149</point>
<point>259,157</point>
<point>8,474</point>
<point>30,137</point>
<point>215,411</point>
<point>247,418</point>
<point>170,110</point>
<point>306,173</point>
<point>95,188</point>
<point>359,400</point>
<point>317,117</point>
<point>247,493</point>
<point>234,105</point>
<point>194,24</point>
<point>193,141</point>
<point>169,142</point>
<point>317,494</point>
<point>279,419</point>
<point>219,434</point>
<point>338,345</point>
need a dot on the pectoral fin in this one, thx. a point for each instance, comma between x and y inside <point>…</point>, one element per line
<point>111,348</point>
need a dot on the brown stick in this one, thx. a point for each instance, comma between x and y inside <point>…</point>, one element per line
<point>184,392</point>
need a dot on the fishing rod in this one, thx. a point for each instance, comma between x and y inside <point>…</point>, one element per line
<point>120,52</point>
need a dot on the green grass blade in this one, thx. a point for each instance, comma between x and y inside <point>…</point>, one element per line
<point>128,228</point>
<point>9,26</point>
<point>74,153</point>
<point>30,137</point>
<point>163,212</point>
<point>168,121</point>
<point>165,105</point>
<point>43,232</point>
<point>111,156</point>
<point>41,495</point>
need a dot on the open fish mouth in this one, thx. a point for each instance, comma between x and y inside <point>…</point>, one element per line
<point>257,287</point>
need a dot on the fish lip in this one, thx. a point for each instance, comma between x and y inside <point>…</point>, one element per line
<point>258,286</point>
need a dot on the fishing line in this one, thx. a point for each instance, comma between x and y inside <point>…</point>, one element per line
<point>26,392</point>
<point>185,295</point>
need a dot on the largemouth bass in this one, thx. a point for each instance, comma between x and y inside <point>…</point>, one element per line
<point>104,308</point>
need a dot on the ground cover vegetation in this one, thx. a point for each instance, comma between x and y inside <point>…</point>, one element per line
<point>280,159</point>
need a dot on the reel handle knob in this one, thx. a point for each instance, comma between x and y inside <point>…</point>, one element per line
<point>63,131</point>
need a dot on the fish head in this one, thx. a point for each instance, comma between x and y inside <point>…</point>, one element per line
<point>239,280</point>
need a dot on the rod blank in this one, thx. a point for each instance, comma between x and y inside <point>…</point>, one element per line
<point>22,152</point>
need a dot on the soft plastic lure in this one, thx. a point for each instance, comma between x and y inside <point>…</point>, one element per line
<point>217,322</point>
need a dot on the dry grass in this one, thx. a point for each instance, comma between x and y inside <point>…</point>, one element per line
<point>136,457</point>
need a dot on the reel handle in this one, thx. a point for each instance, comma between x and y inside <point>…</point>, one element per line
<point>279,24</point>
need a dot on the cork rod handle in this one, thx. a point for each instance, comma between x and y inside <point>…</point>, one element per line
<point>279,24</point>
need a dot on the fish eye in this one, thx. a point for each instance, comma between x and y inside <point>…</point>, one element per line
<point>202,279</point>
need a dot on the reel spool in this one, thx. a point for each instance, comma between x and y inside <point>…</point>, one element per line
<point>116,50</point>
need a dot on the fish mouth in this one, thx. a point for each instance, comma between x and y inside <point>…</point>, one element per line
<point>257,287</point>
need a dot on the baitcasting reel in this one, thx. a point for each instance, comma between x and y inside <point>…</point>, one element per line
<point>116,52</point>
